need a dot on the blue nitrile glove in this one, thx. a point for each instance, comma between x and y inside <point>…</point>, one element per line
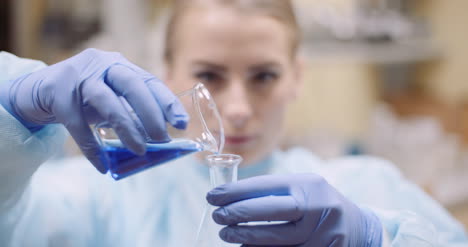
<point>85,89</point>
<point>317,215</point>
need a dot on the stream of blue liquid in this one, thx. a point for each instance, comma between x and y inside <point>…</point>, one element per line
<point>123,163</point>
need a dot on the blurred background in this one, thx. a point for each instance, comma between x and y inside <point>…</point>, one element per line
<point>383,77</point>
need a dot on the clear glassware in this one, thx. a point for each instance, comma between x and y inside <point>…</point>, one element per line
<point>223,169</point>
<point>204,132</point>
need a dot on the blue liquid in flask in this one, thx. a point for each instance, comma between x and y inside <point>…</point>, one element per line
<point>123,163</point>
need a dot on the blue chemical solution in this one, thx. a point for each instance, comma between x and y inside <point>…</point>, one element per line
<point>123,163</point>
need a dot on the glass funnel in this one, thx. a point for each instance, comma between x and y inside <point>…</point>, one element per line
<point>204,132</point>
<point>223,169</point>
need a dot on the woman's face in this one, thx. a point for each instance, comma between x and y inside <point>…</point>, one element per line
<point>245,61</point>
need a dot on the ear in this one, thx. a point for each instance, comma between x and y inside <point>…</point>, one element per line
<point>299,66</point>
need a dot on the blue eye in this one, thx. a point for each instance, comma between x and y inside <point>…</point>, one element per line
<point>207,76</point>
<point>265,77</point>
<point>212,80</point>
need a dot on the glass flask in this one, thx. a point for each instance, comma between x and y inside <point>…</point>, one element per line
<point>204,132</point>
<point>223,169</point>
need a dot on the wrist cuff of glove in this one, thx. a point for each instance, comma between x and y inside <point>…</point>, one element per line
<point>372,229</point>
<point>6,103</point>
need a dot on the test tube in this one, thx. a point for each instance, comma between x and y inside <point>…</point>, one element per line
<point>223,169</point>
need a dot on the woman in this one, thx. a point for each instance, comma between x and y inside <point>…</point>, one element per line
<point>245,53</point>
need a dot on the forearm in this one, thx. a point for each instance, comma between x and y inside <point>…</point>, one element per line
<point>22,153</point>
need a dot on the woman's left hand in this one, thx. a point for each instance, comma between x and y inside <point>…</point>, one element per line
<point>315,214</point>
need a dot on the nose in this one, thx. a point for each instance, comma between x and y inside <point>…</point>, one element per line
<point>237,110</point>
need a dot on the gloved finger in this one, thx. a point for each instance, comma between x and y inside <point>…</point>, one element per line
<point>268,208</point>
<point>88,145</point>
<point>100,97</point>
<point>249,188</point>
<point>251,245</point>
<point>126,82</point>
<point>78,127</point>
<point>172,107</point>
<point>264,235</point>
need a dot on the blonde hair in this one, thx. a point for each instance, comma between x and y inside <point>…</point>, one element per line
<point>281,10</point>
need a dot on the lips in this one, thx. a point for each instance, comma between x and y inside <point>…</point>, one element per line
<point>238,140</point>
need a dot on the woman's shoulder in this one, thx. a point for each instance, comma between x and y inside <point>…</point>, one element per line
<point>337,170</point>
<point>296,160</point>
<point>364,165</point>
<point>297,153</point>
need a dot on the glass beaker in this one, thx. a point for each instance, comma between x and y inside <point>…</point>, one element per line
<point>204,132</point>
<point>223,169</point>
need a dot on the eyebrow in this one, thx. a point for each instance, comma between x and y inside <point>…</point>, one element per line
<point>254,68</point>
<point>210,65</point>
<point>264,65</point>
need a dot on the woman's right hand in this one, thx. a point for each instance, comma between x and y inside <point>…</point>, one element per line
<point>85,89</point>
